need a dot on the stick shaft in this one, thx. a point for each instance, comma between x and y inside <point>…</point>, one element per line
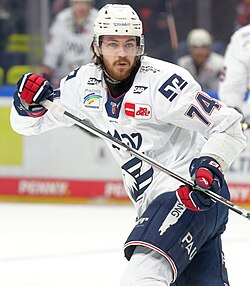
<point>91,128</point>
<point>171,25</point>
<point>172,29</point>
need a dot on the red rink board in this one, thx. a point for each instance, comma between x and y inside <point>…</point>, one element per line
<point>60,190</point>
<point>66,190</point>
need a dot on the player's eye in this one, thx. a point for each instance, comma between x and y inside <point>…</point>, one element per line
<point>130,45</point>
<point>113,45</point>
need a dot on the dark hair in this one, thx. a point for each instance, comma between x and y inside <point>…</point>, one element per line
<point>96,59</point>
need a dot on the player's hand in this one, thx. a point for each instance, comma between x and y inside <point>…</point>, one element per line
<point>32,90</point>
<point>207,174</point>
<point>245,121</point>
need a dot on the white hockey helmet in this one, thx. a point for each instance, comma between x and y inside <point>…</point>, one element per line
<point>199,38</point>
<point>121,20</point>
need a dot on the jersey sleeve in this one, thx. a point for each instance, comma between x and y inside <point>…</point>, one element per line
<point>235,77</point>
<point>67,99</point>
<point>181,102</point>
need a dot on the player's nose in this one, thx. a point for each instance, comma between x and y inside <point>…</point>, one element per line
<point>121,51</point>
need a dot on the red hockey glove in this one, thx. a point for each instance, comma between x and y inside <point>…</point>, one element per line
<point>207,174</point>
<point>32,89</point>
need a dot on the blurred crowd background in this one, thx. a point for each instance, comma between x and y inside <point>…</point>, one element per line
<point>27,32</point>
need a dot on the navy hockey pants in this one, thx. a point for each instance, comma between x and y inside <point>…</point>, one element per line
<point>190,241</point>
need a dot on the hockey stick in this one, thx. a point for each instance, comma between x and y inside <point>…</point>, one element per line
<point>91,128</point>
<point>172,29</point>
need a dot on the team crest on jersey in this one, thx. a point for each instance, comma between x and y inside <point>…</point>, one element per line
<point>93,81</point>
<point>139,111</point>
<point>139,89</point>
<point>92,99</point>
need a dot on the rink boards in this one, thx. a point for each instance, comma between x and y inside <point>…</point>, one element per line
<point>87,191</point>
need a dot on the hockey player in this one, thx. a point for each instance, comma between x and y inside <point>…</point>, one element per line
<point>69,42</point>
<point>203,64</point>
<point>235,81</point>
<point>159,109</point>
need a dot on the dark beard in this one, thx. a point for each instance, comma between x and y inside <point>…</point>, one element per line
<point>116,77</point>
<point>118,87</point>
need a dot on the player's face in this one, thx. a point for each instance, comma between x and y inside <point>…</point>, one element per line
<point>81,8</point>
<point>200,54</point>
<point>119,55</point>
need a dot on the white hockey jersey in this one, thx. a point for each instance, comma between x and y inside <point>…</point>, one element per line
<point>164,115</point>
<point>67,49</point>
<point>236,80</point>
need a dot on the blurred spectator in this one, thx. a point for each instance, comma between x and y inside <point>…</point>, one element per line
<point>236,76</point>
<point>202,62</point>
<point>69,42</point>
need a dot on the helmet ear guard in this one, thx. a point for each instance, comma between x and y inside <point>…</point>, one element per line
<point>120,20</point>
<point>140,45</point>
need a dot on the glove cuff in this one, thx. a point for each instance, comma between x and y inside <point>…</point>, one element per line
<point>28,110</point>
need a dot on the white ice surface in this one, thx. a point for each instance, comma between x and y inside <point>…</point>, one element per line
<point>65,245</point>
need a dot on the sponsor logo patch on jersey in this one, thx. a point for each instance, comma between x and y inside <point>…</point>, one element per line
<point>136,110</point>
<point>93,81</point>
<point>152,69</point>
<point>92,99</point>
<point>139,89</point>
